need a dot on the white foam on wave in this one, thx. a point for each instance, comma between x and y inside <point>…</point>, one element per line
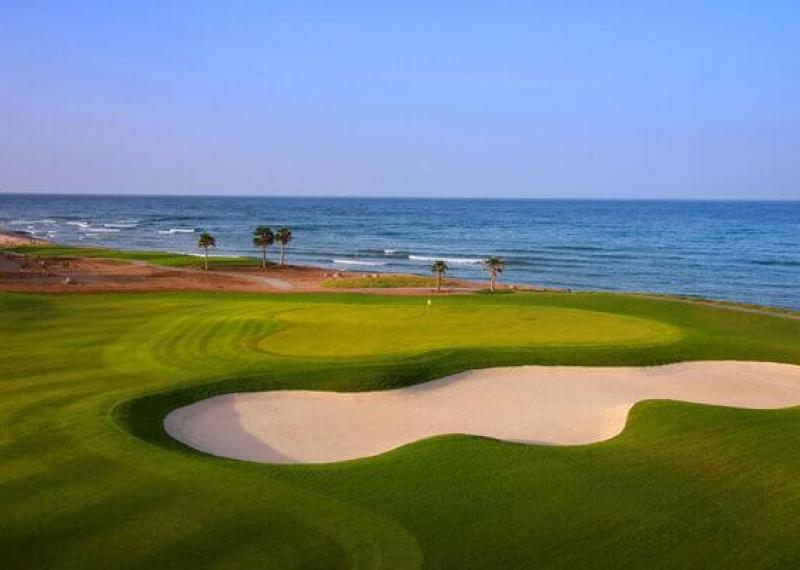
<point>122,225</point>
<point>172,231</point>
<point>31,223</point>
<point>99,230</point>
<point>453,260</point>
<point>358,262</point>
<point>79,224</point>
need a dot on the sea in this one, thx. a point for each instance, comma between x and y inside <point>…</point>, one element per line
<point>730,250</point>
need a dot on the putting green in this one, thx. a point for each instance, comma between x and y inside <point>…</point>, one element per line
<point>350,331</point>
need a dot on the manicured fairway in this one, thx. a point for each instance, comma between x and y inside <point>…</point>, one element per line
<point>88,479</point>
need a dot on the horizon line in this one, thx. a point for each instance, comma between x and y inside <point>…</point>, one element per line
<point>397,197</point>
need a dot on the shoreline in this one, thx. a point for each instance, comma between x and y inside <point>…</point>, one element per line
<point>246,277</point>
<point>560,246</point>
<point>66,270</point>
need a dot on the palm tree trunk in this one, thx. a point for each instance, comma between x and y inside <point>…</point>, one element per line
<point>439,283</point>
<point>283,253</point>
<point>206,258</point>
<point>263,258</point>
<point>491,282</point>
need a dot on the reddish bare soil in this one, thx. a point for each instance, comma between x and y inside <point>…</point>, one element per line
<point>35,274</point>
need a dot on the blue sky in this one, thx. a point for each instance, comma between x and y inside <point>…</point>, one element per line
<point>507,99</point>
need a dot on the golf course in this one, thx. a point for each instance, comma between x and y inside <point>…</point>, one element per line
<point>90,478</point>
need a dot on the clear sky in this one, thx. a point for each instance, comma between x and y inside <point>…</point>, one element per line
<point>598,99</point>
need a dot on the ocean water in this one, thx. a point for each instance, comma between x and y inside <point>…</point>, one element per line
<point>740,251</point>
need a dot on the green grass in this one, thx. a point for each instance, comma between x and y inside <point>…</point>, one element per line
<point>386,282</point>
<point>88,479</point>
<point>348,331</point>
<point>154,257</point>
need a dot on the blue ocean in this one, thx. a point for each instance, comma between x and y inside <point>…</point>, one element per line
<point>739,251</point>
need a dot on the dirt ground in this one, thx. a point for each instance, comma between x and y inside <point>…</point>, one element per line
<point>25,273</point>
<point>35,274</point>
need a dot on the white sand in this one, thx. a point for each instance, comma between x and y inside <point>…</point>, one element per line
<point>526,404</point>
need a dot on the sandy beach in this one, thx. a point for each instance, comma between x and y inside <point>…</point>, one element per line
<point>526,404</point>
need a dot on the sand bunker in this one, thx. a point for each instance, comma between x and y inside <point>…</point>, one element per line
<point>526,404</point>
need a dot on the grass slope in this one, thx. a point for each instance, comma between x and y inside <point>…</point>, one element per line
<point>89,479</point>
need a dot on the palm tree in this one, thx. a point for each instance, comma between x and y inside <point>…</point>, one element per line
<point>206,240</point>
<point>494,265</point>
<point>440,268</point>
<point>284,236</point>
<point>263,238</point>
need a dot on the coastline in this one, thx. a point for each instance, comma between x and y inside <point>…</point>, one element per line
<point>30,264</point>
<point>720,250</point>
<point>123,270</point>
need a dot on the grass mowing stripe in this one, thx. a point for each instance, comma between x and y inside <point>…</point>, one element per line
<point>89,477</point>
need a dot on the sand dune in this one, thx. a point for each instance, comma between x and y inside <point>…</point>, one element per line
<point>526,404</point>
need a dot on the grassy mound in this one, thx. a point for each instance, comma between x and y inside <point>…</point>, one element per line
<point>88,478</point>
